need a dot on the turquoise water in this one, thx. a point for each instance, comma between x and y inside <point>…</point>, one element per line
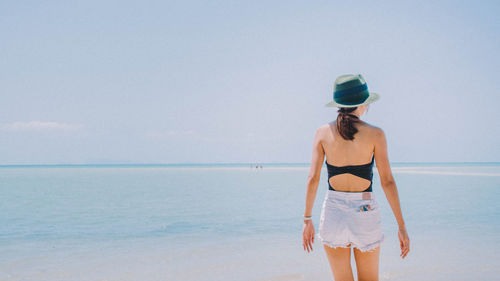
<point>232,222</point>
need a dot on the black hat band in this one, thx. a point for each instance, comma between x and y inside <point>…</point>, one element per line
<point>355,95</point>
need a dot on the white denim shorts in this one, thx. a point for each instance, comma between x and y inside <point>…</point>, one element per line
<point>345,221</point>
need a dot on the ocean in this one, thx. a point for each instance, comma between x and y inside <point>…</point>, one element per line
<point>233,222</point>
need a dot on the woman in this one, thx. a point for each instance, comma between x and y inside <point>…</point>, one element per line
<point>350,214</point>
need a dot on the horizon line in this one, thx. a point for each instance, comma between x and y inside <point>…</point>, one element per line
<point>225,163</point>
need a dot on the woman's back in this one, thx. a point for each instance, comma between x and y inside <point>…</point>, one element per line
<point>357,152</point>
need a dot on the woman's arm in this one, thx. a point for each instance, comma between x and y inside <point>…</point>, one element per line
<point>318,155</point>
<point>386,179</point>
<point>391,190</point>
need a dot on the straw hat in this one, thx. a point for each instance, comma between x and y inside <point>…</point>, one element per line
<point>350,91</point>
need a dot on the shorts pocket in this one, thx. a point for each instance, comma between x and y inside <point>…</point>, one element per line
<point>368,223</point>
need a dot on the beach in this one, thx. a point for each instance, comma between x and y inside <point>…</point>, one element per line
<point>232,222</point>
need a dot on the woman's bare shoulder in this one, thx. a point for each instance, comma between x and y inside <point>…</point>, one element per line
<point>375,130</point>
<point>325,129</point>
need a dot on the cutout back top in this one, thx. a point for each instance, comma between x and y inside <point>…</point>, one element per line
<point>364,171</point>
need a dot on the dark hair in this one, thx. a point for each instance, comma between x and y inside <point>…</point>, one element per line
<point>346,121</point>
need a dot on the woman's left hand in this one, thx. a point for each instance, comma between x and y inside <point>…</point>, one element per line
<point>308,235</point>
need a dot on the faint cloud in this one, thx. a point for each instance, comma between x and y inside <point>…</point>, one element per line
<point>39,126</point>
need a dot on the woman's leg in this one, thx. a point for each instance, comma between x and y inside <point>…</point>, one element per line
<point>340,263</point>
<point>367,264</point>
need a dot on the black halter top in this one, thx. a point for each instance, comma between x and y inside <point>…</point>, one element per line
<point>364,171</point>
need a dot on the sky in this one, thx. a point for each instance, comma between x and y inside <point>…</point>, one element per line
<point>243,81</point>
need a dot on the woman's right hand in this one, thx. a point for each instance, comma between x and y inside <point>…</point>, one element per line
<point>308,235</point>
<point>404,241</point>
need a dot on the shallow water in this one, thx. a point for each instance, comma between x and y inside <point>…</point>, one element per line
<point>232,222</point>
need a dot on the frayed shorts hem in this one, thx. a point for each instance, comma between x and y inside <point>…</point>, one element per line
<point>365,248</point>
